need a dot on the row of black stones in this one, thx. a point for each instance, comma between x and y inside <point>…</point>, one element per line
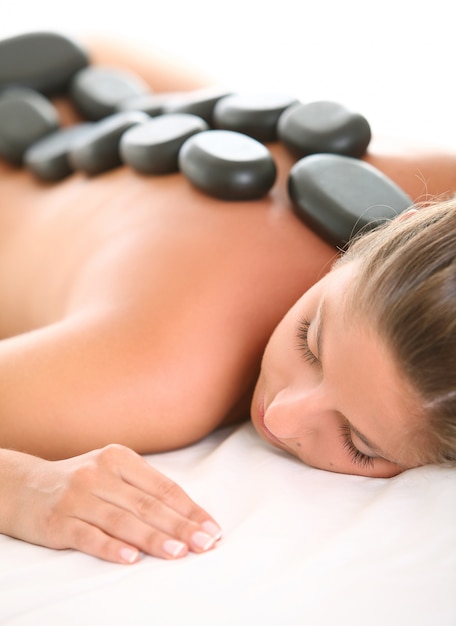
<point>213,137</point>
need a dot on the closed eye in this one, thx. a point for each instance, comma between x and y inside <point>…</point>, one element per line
<point>302,342</point>
<point>358,458</point>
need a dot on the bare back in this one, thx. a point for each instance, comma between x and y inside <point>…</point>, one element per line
<point>175,293</point>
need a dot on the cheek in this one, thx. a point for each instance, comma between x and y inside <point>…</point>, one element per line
<point>321,450</point>
<point>333,458</point>
<point>320,445</point>
<point>315,453</point>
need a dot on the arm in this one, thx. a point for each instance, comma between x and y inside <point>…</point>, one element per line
<point>65,389</point>
<point>108,503</point>
<point>95,379</point>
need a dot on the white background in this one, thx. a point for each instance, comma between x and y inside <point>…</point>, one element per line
<point>393,60</point>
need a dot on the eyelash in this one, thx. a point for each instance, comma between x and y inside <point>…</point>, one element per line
<point>357,457</point>
<point>303,345</point>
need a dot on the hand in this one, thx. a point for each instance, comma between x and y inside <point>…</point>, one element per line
<point>109,503</point>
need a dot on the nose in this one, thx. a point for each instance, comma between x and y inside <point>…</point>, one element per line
<point>293,413</point>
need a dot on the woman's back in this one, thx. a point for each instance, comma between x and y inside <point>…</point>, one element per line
<point>186,288</point>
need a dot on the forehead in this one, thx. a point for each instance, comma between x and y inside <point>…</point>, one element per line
<point>342,287</point>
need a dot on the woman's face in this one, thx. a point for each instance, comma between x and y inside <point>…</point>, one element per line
<point>329,392</point>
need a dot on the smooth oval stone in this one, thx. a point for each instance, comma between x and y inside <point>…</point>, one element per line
<point>43,61</point>
<point>255,115</point>
<point>150,103</point>
<point>25,117</point>
<point>153,147</point>
<point>324,127</point>
<point>200,102</point>
<point>48,158</point>
<point>97,91</point>
<point>98,151</point>
<point>337,196</point>
<point>228,165</point>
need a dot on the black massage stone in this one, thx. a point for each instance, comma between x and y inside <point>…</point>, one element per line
<point>98,151</point>
<point>324,127</point>
<point>253,114</point>
<point>337,196</point>
<point>153,147</point>
<point>228,165</point>
<point>48,158</point>
<point>43,61</point>
<point>150,103</point>
<point>200,102</point>
<point>97,91</point>
<point>25,117</point>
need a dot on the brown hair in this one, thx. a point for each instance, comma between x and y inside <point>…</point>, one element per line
<point>407,288</point>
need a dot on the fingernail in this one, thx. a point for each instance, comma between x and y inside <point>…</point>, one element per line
<point>173,547</point>
<point>212,529</point>
<point>202,541</point>
<point>129,555</point>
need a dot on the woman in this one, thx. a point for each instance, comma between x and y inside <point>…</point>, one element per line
<point>135,311</point>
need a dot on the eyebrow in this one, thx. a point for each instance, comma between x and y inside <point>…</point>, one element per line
<point>319,341</point>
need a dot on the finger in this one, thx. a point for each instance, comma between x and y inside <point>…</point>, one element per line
<point>91,540</point>
<point>167,534</point>
<point>135,470</point>
<point>156,514</point>
<point>174,512</point>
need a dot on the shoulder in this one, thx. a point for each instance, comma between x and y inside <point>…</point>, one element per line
<point>424,171</point>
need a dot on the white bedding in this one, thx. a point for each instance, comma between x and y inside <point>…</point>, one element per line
<point>300,547</point>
